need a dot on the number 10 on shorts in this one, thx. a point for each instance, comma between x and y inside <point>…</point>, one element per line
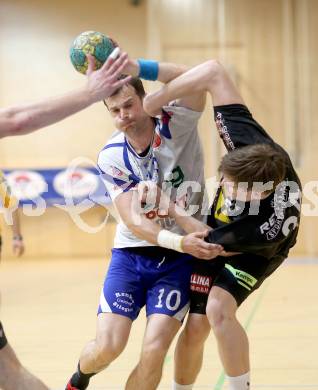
<point>173,296</point>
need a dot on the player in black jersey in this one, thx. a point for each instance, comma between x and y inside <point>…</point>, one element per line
<point>255,217</point>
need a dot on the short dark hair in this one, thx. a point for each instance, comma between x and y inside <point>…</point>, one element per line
<point>135,82</point>
<point>255,163</point>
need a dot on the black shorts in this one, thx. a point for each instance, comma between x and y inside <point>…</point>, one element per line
<point>240,275</point>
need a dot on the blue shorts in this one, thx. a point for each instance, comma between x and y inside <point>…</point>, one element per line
<point>153,276</point>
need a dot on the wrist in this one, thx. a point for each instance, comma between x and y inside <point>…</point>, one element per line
<point>17,237</point>
<point>148,70</point>
<point>170,240</point>
<point>88,95</point>
<point>132,68</point>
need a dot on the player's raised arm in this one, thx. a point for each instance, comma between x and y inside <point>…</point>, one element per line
<point>25,118</point>
<point>164,72</point>
<point>209,77</point>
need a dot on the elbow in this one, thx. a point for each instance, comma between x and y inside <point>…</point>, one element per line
<point>211,72</point>
<point>133,226</point>
<point>13,127</point>
<point>18,126</point>
<point>150,105</point>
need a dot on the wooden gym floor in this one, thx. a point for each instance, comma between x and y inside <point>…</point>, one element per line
<point>48,311</point>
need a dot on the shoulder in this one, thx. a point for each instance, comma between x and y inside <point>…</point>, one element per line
<point>113,150</point>
<point>174,109</point>
<point>178,121</point>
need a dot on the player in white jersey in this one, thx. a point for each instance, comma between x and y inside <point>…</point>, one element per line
<point>141,273</point>
<point>166,163</point>
<point>26,118</point>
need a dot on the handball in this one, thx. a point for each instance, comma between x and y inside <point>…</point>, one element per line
<point>90,42</point>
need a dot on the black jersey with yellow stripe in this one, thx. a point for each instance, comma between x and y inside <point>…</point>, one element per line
<point>267,227</point>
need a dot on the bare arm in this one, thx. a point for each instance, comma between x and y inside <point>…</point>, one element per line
<point>11,214</point>
<point>100,84</point>
<point>167,73</point>
<point>130,213</point>
<point>150,193</point>
<point>188,223</point>
<point>128,206</point>
<point>207,77</point>
<point>17,239</point>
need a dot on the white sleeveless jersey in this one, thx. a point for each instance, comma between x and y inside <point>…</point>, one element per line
<point>175,159</point>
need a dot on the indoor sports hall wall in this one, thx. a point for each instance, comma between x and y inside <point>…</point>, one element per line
<point>35,37</point>
<point>268,46</point>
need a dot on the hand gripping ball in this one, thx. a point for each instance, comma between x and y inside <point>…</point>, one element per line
<point>90,42</point>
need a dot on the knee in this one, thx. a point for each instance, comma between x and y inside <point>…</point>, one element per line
<point>219,315</point>
<point>154,352</point>
<point>107,350</point>
<point>195,332</point>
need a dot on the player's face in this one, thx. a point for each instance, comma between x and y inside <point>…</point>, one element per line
<point>126,109</point>
<point>234,191</point>
<point>238,191</point>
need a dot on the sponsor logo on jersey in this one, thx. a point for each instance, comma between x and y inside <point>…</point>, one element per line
<point>175,177</point>
<point>161,217</point>
<point>116,172</point>
<point>222,129</point>
<point>200,283</point>
<point>156,213</point>
<point>272,226</point>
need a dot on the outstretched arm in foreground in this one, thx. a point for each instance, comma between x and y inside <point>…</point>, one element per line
<point>23,119</point>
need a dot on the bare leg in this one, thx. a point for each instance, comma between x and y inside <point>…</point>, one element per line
<point>159,334</point>
<point>13,376</point>
<point>231,337</point>
<point>189,350</point>
<point>111,338</point>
